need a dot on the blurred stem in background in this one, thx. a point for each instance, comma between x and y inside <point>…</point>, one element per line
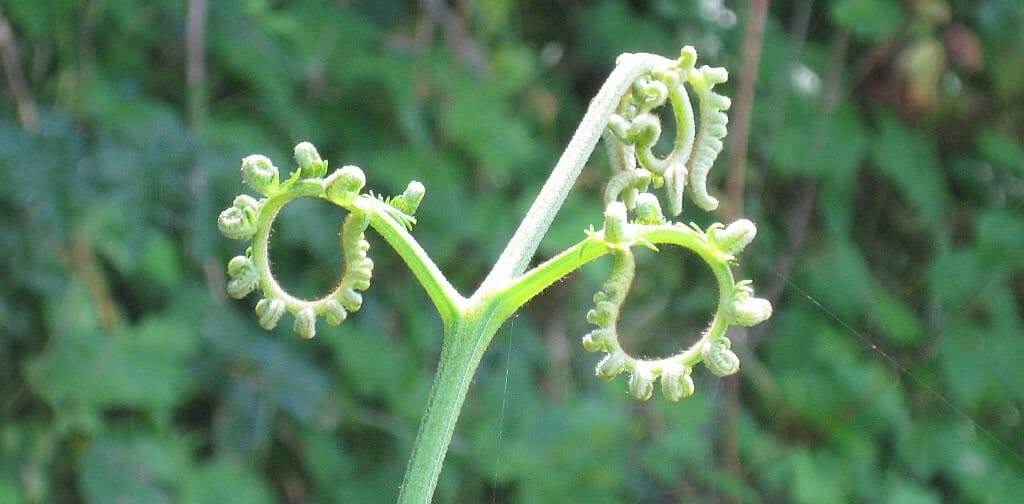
<point>736,169</point>
<point>15,78</point>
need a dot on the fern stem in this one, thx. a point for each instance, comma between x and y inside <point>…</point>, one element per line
<point>524,242</point>
<point>464,344</point>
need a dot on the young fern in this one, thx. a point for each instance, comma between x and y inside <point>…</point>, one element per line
<point>712,129</point>
<point>251,219</point>
<point>624,114</point>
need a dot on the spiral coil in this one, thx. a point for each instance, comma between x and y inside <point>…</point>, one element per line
<point>251,219</point>
<point>631,133</point>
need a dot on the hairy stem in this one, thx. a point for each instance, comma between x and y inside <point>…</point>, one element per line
<point>527,286</point>
<point>464,345</point>
<point>448,301</point>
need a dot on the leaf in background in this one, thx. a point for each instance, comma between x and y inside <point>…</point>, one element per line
<point>869,20</point>
<point>963,353</point>
<point>1001,149</point>
<point>900,491</point>
<point>27,456</point>
<point>506,382</point>
<point>479,122</point>
<point>957,276</point>
<point>9,491</point>
<point>37,18</point>
<point>839,278</point>
<point>895,318</point>
<point>141,366</point>
<point>554,452</point>
<point>269,374</point>
<point>108,227</point>
<point>989,480</point>
<point>828,146</point>
<point>1007,330</point>
<point>326,461</point>
<point>244,422</point>
<point>160,261</point>
<point>131,469</point>
<point>612,27</point>
<point>679,447</point>
<point>817,478</point>
<point>910,161</point>
<point>373,364</point>
<point>1000,239</point>
<point>222,481</point>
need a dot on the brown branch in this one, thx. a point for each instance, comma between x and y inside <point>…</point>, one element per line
<point>195,63</point>
<point>753,40</point>
<point>735,180</point>
<point>196,110</point>
<point>834,73</point>
<point>85,266</point>
<point>15,78</point>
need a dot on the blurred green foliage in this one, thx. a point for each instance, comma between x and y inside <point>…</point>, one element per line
<point>886,172</point>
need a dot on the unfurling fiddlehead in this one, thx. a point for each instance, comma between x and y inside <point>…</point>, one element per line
<point>633,130</point>
<point>737,306</point>
<point>251,219</point>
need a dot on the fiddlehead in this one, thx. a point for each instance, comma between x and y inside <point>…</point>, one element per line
<point>251,219</point>
<point>238,222</point>
<point>737,306</point>
<point>634,129</point>
<point>627,184</point>
<point>712,129</point>
<point>630,135</point>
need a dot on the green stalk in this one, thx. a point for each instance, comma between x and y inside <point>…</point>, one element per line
<point>463,347</point>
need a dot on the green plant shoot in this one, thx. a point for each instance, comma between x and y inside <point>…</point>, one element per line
<point>624,115</point>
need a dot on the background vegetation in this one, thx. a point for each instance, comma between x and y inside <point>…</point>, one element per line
<point>884,165</point>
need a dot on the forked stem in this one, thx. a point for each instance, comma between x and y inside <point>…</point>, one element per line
<point>639,83</point>
<point>535,224</point>
<point>467,338</point>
